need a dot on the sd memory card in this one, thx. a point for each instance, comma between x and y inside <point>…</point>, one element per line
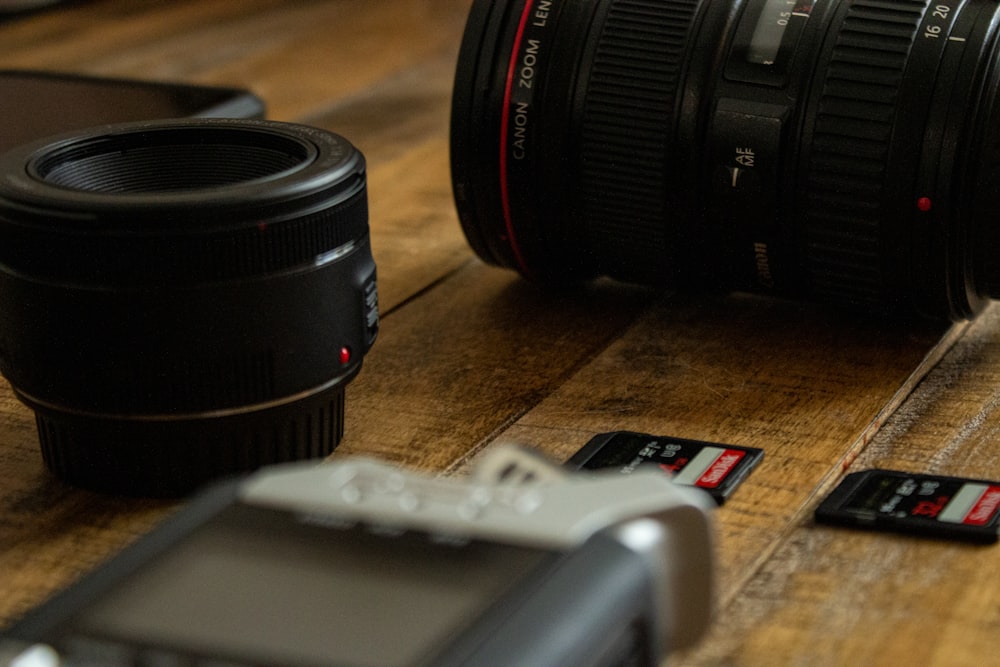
<point>931,505</point>
<point>716,468</point>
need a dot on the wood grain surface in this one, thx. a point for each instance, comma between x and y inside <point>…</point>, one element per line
<point>470,356</point>
<point>832,596</point>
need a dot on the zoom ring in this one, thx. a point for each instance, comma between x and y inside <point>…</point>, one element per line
<point>844,198</point>
<point>625,132</point>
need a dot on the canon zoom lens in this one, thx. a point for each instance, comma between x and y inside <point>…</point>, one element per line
<point>184,299</point>
<point>843,151</point>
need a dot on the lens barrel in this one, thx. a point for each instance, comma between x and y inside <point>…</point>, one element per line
<point>837,150</point>
<point>186,299</point>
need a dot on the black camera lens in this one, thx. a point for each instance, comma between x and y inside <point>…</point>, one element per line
<point>186,299</point>
<point>838,150</point>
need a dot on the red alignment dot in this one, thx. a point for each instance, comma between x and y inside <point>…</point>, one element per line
<point>924,204</point>
<point>345,355</point>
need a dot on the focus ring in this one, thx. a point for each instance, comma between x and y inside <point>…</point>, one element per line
<point>625,132</point>
<point>180,201</point>
<point>268,248</point>
<point>846,169</point>
<point>228,254</point>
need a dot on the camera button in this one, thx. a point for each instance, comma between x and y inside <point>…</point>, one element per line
<point>351,494</point>
<point>470,510</point>
<point>409,502</point>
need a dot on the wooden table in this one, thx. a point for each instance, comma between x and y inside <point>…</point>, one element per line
<point>471,355</point>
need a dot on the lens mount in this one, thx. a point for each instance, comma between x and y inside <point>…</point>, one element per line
<point>184,299</point>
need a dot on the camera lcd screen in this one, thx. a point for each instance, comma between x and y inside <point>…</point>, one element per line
<point>34,105</point>
<point>264,586</point>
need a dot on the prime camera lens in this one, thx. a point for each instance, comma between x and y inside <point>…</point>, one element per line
<point>838,150</point>
<point>186,299</point>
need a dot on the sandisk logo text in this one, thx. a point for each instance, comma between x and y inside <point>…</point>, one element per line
<point>984,509</point>
<point>720,468</point>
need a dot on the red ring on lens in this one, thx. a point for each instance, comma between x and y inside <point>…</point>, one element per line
<point>505,135</point>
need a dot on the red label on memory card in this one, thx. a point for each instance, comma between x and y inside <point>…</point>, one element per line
<point>985,508</point>
<point>709,467</point>
<point>932,505</point>
<point>716,468</point>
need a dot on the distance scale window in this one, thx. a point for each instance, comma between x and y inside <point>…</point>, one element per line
<point>766,40</point>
